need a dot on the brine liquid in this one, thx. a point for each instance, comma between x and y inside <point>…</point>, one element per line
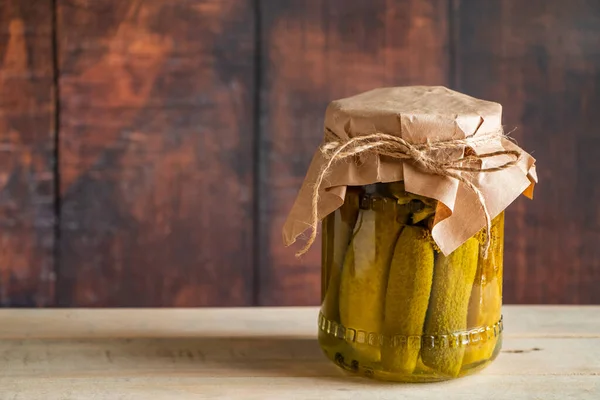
<point>393,306</point>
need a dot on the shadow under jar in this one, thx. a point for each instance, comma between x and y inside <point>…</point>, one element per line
<point>393,306</point>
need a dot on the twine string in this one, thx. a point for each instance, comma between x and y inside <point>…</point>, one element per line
<point>425,156</point>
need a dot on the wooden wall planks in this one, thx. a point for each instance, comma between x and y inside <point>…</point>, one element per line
<point>159,138</point>
<point>313,52</point>
<point>26,154</point>
<point>541,60</point>
<point>156,136</point>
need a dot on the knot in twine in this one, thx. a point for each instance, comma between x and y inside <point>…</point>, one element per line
<point>425,156</point>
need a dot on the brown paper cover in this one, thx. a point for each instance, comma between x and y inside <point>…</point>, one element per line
<point>417,114</point>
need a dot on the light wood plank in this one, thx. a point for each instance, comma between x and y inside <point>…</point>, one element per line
<point>520,321</point>
<point>269,353</point>
<point>226,357</point>
<point>552,321</point>
<point>190,387</point>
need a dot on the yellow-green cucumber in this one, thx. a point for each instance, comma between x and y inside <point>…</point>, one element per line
<point>485,305</point>
<point>407,298</point>
<point>364,277</point>
<point>453,278</point>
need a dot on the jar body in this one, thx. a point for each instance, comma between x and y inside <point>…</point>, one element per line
<point>393,306</point>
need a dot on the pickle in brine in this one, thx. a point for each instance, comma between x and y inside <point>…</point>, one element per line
<point>486,297</point>
<point>453,278</point>
<point>407,298</point>
<point>337,232</point>
<point>420,207</point>
<point>365,272</point>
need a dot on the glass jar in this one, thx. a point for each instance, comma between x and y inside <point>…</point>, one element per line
<point>393,306</point>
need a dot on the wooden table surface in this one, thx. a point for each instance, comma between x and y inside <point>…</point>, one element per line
<point>550,352</point>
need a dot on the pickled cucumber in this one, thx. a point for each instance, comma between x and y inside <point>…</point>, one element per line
<point>337,232</point>
<point>420,207</point>
<point>407,297</point>
<point>448,306</point>
<point>406,307</point>
<point>486,297</point>
<point>364,275</point>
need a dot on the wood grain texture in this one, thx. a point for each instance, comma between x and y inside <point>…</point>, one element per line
<point>268,353</point>
<point>314,52</point>
<point>188,387</point>
<point>26,154</point>
<point>156,141</point>
<point>541,60</point>
<point>155,152</point>
<point>521,322</point>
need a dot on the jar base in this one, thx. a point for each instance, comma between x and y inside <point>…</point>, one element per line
<point>442,363</point>
<point>421,374</point>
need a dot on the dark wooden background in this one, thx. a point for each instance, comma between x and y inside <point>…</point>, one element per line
<point>150,150</point>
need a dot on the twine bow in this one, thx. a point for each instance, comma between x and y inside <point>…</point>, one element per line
<point>425,156</point>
